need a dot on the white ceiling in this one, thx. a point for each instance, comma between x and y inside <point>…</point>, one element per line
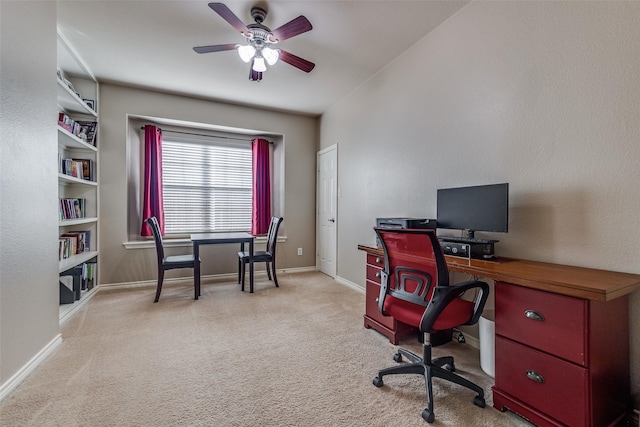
<point>149,44</point>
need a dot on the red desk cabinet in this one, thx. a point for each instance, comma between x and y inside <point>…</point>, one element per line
<point>561,360</point>
<point>562,337</point>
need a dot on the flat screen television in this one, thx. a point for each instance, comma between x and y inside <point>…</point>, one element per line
<point>477,208</point>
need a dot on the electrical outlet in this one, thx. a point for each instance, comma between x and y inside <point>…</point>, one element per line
<point>299,251</point>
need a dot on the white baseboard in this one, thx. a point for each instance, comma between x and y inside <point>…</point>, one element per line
<point>212,278</point>
<point>349,284</point>
<point>18,377</point>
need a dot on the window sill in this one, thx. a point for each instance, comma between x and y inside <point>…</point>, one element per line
<point>175,243</point>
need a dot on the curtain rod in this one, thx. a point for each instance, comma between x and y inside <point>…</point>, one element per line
<point>210,136</point>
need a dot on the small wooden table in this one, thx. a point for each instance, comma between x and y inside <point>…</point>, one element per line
<point>218,238</point>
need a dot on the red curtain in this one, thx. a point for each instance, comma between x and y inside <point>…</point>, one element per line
<point>261,212</point>
<point>152,203</point>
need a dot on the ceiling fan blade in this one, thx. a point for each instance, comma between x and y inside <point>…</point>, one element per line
<point>215,48</point>
<point>226,14</point>
<point>296,61</point>
<point>292,28</point>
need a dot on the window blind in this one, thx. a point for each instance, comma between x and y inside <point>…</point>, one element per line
<point>207,186</point>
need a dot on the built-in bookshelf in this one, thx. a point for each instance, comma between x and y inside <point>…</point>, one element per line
<point>78,179</point>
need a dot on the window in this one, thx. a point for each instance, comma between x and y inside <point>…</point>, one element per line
<point>206,185</point>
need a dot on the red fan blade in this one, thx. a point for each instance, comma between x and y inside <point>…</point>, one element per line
<point>292,28</point>
<point>215,48</point>
<point>226,14</point>
<point>296,61</point>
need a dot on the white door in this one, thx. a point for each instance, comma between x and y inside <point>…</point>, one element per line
<point>327,209</point>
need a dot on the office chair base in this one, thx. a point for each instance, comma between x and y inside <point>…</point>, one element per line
<point>441,367</point>
<point>479,402</point>
<point>428,415</point>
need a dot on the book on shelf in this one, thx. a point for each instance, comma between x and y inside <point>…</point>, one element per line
<point>87,169</point>
<point>73,243</point>
<point>76,168</point>
<point>89,129</point>
<point>84,130</point>
<point>88,275</point>
<point>72,208</point>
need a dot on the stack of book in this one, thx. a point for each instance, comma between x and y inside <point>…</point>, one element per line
<point>72,208</point>
<point>78,168</point>
<point>84,130</point>
<point>73,243</point>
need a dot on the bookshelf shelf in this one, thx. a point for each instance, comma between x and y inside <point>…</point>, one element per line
<point>76,260</point>
<point>79,221</point>
<point>69,101</point>
<point>67,140</point>
<point>68,179</point>
<point>78,154</point>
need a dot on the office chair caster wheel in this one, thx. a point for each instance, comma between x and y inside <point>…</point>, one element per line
<point>479,401</point>
<point>377,381</point>
<point>449,367</point>
<point>428,416</point>
<point>397,357</point>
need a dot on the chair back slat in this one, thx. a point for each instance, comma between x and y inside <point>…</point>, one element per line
<point>272,234</point>
<point>157,236</point>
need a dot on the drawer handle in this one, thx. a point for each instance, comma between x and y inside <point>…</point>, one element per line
<point>377,299</point>
<point>534,315</point>
<point>378,260</point>
<point>378,274</point>
<point>534,376</point>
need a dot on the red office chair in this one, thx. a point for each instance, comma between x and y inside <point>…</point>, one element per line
<point>415,290</point>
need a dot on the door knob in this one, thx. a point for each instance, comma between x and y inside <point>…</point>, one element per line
<point>332,220</point>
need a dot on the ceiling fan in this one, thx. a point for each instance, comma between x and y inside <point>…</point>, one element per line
<point>259,40</point>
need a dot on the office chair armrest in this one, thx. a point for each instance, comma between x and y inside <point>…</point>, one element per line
<point>442,297</point>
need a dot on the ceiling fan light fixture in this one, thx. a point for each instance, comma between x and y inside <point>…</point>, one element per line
<point>271,55</point>
<point>246,52</point>
<point>254,75</point>
<point>258,38</point>
<point>258,64</point>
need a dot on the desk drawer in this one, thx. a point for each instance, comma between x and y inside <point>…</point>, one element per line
<point>373,274</point>
<point>377,260</point>
<point>562,392</point>
<point>560,330</point>
<point>372,294</point>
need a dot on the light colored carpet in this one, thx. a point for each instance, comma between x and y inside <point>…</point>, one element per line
<point>297,355</point>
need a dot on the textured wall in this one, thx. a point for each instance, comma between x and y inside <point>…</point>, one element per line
<point>29,293</point>
<point>543,95</point>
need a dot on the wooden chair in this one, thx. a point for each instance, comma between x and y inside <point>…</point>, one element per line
<point>268,256</point>
<point>415,290</point>
<point>170,262</point>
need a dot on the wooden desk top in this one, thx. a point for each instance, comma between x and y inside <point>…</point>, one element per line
<point>586,283</point>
